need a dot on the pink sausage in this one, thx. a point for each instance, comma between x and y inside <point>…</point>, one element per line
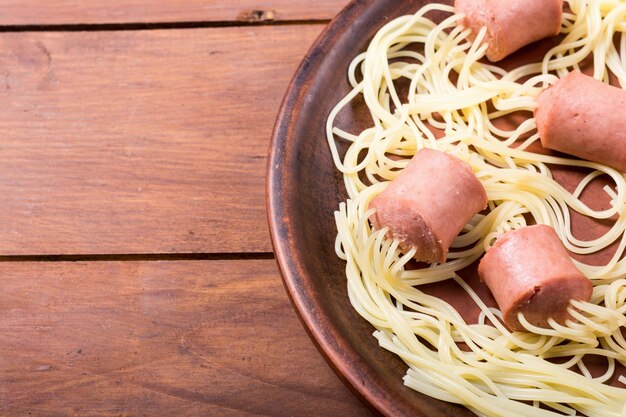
<point>428,204</point>
<point>511,24</point>
<point>584,117</point>
<point>529,271</point>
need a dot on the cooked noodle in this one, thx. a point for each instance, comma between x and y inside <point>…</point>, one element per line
<point>499,372</point>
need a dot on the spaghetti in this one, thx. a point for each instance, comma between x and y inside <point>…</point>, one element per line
<point>448,89</point>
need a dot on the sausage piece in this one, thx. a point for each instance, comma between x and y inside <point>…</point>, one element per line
<point>529,271</point>
<point>428,204</point>
<point>584,117</point>
<point>511,24</point>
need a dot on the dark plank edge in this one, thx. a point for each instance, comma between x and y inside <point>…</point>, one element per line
<point>108,27</point>
<point>137,257</point>
<point>70,12</point>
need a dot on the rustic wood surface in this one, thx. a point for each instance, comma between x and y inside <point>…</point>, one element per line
<point>136,269</point>
<point>72,12</point>
<point>174,338</point>
<point>140,141</point>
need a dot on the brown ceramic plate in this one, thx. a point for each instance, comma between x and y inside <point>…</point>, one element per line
<point>304,189</point>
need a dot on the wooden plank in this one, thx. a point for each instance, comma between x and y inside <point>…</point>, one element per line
<point>159,339</point>
<point>141,141</point>
<point>38,12</point>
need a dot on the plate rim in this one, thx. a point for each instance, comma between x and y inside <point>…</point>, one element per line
<point>332,348</point>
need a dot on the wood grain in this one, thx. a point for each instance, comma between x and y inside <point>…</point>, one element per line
<point>158,339</point>
<point>140,141</point>
<point>43,12</point>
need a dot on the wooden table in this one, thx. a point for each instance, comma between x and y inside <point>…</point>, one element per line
<point>137,275</point>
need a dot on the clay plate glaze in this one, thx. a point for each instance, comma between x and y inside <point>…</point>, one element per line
<point>304,189</point>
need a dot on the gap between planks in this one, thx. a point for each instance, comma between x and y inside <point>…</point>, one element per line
<point>113,27</point>
<point>139,257</point>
